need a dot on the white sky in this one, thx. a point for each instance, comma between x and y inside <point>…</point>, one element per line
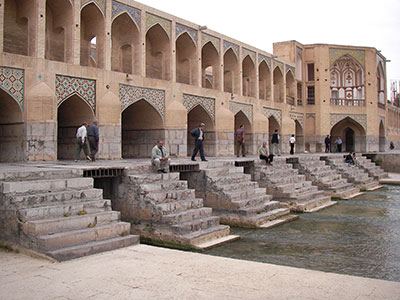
<point>260,23</point>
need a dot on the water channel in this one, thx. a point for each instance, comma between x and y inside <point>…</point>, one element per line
<point>358,237</point>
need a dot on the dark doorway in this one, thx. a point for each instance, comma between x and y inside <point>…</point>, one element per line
<point>349,140</point>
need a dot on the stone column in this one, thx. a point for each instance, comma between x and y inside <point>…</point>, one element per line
<point>40,42</point>
<point>76,33</point>
<point>173,51</point>
<point>257,76</point>
<point>107,38</point>
<point>1,25</point>
<point>271,84</point>
<point>240,71</point>
<point>142,40</point>
<point>199,61</point>
<point>284,83</point>
<point>221,65</point>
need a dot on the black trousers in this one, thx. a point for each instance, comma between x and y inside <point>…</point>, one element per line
<point>327,148</point>
<point>198,146</point>
<point>339,148</point>
<point>291,148</point>
<point>94,147</point>
<point>269,158</point>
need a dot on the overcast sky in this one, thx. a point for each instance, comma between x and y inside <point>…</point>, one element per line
<point>260,23</point>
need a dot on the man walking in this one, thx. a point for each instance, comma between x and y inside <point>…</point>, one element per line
<point>240,135</point>
<point>339,143</point>
<point>328,144</point>
<point>275,143</point>
<point>292,141</point>
<point>198,134</point>
<point>93,136</point>
<point>81,143</point>
<point>159,158</point>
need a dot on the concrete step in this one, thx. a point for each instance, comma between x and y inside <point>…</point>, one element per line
<point>50,185</point>
<point>196,225</point>
<point>259,219</point>
<point>188,215</point>
<point>37,199</point>
<point>241,195</point>
<point>71,208</point>
<point>251,201</point>
<point>266,206</point>
<point>93,247</point>
<point>79,237</point>
<point>293,178</point>
<point>215,241</point>
<point>196,238</point>
<point>242,186</point>
<point>64,224</point>
<point>179,206</point>
<point>231,178</point>
<point>311,204</point>
<point>344,194</point>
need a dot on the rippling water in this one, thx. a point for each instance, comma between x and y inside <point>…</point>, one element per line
<point>357,237</point>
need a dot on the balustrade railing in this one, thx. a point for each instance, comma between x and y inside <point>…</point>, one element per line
<point>290,100</point>
<point>347,102</point>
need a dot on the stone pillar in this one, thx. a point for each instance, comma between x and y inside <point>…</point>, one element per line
<point>41,29</point>
<point>173,51</point>
<point>240,71</point>
<point>271,83</point>
<point>257,76</point>
<point>199,61</point>
<point>221,65</point>
<point>1,25</point>
<point>76,33</point>
<point>142,40</point>
<point>284,83</point>
<point>107,38</point>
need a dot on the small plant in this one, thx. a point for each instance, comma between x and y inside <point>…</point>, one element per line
<point>91,225</point>
<point>135,221</point>
<point>150,227</point>
<point>82,212</point>
<point>378,161</point>
<point>67,214</point>
<point>125,233</point>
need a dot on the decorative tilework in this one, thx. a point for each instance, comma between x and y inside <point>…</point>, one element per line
<point>205,38</point>
<point>264,58</point>
<point>296,116</point>
<point>85,88</point>
<point>250,53</point>
<point>279,65</point>
<point>276,113</point>
<point>130,94</point>
<point>119,8</point>
<point>310,115</point>
<point>12,82</point>
<point>360,119</point>
<point>335,53</point>
<point>290,69</point>
<point>164,23</point>
<point>100,3</point>
<point>179,29</point>
<point>191,101</point>
<point>247,109</point>
<point>234,47</point>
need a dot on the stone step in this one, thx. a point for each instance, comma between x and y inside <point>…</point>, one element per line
<point>231,178</point>
<point>50,185</point>
<point>71,209</point>
<point>40,199</point>
<point>369,185</point>
<point>271,171</point>
<point>251,201</point>
<point>165,197</point>
<point>179,206</point>
<point>78,237</point>
<point>196,238</point>
<point>242,186</point>
<point>311,204</point>
<point>279,221</point>
<point>164,185</point>
<point>290,187</point>
<point>287,179</point>
<point>259,219</point>
<point>216,172</point>
<point>63,224</point>
<point>188,215</point>
<point>149,178</point>
<point>266,206</point>
<point>241,195</point>
<point>304,194</point>
<point>216,164</point>
<point>196,225</point>
<point>27,174</point>
<point>215,241</point>
<point>93,247</point>
<point>344,194</point>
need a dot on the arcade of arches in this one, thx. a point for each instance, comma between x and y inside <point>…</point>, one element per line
<point>97,46</point>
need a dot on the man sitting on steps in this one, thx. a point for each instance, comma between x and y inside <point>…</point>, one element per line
<point>263,152</point>
<point>159,158</point>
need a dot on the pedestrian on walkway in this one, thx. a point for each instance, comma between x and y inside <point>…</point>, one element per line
<point>198,134</point>
<point>263,152</point>
<point>327,144</point>
<point>240,141</point>
<point>93,136</point>
<point>81,142</point>
<point>292,141</point>
<point>339,143</point>
<point>275,143</point>
<point>159,158</point>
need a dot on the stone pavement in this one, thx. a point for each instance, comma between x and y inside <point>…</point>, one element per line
<point>394,178</point>
<point>146,272</point>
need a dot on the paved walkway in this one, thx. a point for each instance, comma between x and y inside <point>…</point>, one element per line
<point>394,178</point>
<point>146,272</point>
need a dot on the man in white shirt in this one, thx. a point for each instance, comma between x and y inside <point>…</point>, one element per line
<point>81,143</point>
<point>292,141</point>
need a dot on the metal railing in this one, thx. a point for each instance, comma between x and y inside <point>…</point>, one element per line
<point>347,102</point>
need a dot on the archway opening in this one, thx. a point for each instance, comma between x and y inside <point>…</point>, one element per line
<point>352,134</point>
<point>92,37</point>
<point>11,129</point>
<point>196,116</point>
<point>272,126</point>
<point>142,127</point>
<point>231,72</point>
<point>71,113</point>
<point>158,53</point>
<point>241,119</point>
<point>186,64</point>
<point>382,138</point>
<point>59,22</point>
<point>278,85</point>
<point>125,52</point>
<point>264,81</point>
<point>249,78</point>
<point>290,88</point>
<point>210,67</point>
<point>299,137</point>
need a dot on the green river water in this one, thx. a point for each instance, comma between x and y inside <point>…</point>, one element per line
<point>357,237</point>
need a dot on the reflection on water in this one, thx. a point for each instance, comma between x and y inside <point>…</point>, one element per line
<point>356,237</point>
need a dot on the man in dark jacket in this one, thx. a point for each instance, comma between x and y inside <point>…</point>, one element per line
<point>198,135</point>
<point>93,137</point>
<point>328,144</point>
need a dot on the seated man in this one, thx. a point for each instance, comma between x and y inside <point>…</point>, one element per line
<point>159,158</point>
<point>349,159</point>
<point>263,152</point>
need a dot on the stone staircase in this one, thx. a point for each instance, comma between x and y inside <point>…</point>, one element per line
<point>355,175</point>
<point>372,169</point>
<point>163,209</point>
<point>322,175</point>
<point>58,212</point>
<point>288,186</point>
<point>236,199</point>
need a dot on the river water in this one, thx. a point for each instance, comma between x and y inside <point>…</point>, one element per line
<point>357,237</point>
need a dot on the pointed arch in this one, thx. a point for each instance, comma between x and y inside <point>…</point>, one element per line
<point>351,132</point>
<point>95,3</point>
<point>249,77</point>
<point>210,66</point>
<point>231,72</point>
<point>382,137</point>
<point>264,74</point>
<point>242,119</point>
<point>158,53</point>
<point>380,80</point>
<point>299,134</point>
<point>278,84</point>
<point>290,88</point>
<point>186,59</point>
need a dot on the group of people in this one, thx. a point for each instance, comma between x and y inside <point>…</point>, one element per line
<point>338,143</point>
<point>84,135</point>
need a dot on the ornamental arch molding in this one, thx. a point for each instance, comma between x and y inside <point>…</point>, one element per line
<point>246,109</point>
<point>101,4</point>
<point>208,104</point>
<point>276,113</point>
<point>361,119</point>
<point>181,29</point>
<point>296,116</point>
<point>152,20</point>
<point>12,82</point>
<point>119,9</point>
